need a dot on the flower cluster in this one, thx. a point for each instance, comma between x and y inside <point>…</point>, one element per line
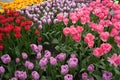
<point>103,49</point>
<point>50,11</point>
<point>89,39</point>
<point>19,4</point>
<point>115,60</point>
<point>75,32</point>
<point>85,75</point>
<point>77,41</point>
<point>12,22</point>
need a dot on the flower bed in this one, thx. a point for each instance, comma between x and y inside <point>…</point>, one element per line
<point>62,42</point>
<point>19,4</point>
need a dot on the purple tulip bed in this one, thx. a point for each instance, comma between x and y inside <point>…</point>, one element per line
<point>61,40</point>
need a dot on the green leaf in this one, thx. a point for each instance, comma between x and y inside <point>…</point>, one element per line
<point>117,71</point>
<point>57,48</point>
<point>55,41</point>
<point>46,43</point>
<point>83,69</point>
<point>97,77</point>
<point>58,76</point>
<point>45,78</point>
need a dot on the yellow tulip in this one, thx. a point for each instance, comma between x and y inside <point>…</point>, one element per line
<point>1,10</point>
<point>18,4</point>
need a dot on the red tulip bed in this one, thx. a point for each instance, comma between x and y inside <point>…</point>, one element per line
<point>61,40</point>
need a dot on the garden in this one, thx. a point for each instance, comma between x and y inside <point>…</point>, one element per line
<point>60,40</point>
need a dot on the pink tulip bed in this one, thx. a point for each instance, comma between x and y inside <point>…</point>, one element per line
<point>61,40</point>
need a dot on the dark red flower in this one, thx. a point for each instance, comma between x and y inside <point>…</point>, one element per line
<point>17,29</point>
<point>17,21</point>
<point>2,17</point>
<point>27,28</point>
<point>11,12</point>
<point>39,39</point>
<point>5,10</point>
<point>16,14</point>
<point>17,35</point>
<point>28,22</point>
<point>23,24</point>
<point>4,21</point>
<point>10,19</point>
<point>8,28</point>
<point>22,18</point>
<point>8,35</point>
<point>37,31</point>
<point>1,47</point>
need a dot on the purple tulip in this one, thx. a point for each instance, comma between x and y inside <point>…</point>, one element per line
<point>90,68</point>
<point>64,69</point>
<point>6,59</point>
<point>84,76</point>
<point>53,61</point>
<point>40,27</point>
<point>2,70</point>
<point>24,55</point>
<point>68,77</point>
<point>14,78</point>
<point>73,62</point>
<point>35,75</point>
<point>107,75</point>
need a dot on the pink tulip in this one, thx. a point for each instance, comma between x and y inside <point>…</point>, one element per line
<point>80,29</point>
<point>104,36</point>
<point>77,37</point>
<point>91,44</point>
<point>65,20</point>
<point>66,31</point>
<point>60,16</point>
<point>73,30</point>
<point>115,59</point>
<point>98,52</point>
<point>89,37</point>
<point>114,32</point>
<point>106,47</point>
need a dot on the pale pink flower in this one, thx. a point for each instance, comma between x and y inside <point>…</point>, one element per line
<point>115,59</point>
<point>65,20</point>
